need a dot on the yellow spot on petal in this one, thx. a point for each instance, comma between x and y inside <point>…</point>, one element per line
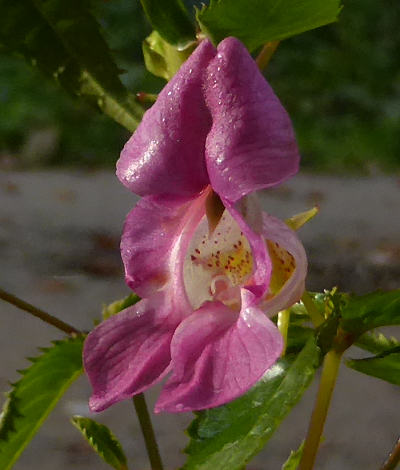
<point>283,265</point>
<point>235,262</point>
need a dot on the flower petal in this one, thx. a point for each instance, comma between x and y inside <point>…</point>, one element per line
<point>289,265</point>
<point>251,144</point>
<point>217,356</point>
<point>248,216</point>
<point>129,352</point>
<point>155,239</point>
<point>166,153</point>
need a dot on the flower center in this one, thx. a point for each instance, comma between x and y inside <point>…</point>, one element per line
<point>217,263</point>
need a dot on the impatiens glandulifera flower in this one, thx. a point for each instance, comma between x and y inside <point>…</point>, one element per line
<point>210,266</point>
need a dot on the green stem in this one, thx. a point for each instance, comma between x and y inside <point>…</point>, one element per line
<point>312,309</point>
<point>266,53</point>
<point>283,326</point>
<point>37,312</point>
<point>327,384</point>
<point>394,458</point>
<point>147,431</point>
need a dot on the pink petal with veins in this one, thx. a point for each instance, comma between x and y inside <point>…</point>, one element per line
<point>129,352</point>
<point>251,144</point>
<point>217,356</point>
<point>166,153</point>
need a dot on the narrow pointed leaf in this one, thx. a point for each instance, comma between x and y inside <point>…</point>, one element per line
<point>256,22</point>
<point>385,366</point>
<point>64,41</point>
<point>35,395</point>
<point>371,311</point>
<point>228,436</point>
<point>103,441</point>
<point>171,20</point>
<point>294,459</point>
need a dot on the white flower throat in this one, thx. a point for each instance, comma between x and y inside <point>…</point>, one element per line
<point>217,264</point>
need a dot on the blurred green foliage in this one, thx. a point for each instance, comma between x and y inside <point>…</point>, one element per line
<point>340,84</point>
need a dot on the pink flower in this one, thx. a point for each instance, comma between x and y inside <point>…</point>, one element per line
<point>209,265</point>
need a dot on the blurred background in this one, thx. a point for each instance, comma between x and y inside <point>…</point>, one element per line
<point>62,210</point>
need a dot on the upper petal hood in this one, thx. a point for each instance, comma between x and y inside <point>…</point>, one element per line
<point>166,153</point>
<point>251,144</point>
<point>217,121</point>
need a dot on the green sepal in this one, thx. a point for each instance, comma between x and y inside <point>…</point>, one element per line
<point>298,220</point>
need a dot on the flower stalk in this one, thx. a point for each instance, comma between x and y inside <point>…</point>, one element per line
<point>330,370</point>
<point>283,326</point>
<point>329,375</point>
<point>37,312</point>
<point>266,54</point>
<point>147,431</point>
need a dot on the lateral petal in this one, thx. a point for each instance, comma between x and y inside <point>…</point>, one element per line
<point>166,153</point>
<point>129,352</point>
<point>155,240</point>
<point>251,144</point>
<point>217,356</point>
<point>289,269</point>
<point>248,215</point>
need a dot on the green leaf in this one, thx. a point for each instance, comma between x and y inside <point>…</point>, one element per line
<point>162,59</point>
<point>294,459</point>
<point>385,366</point>
<point>376,342</point>
<point>371,311</point>
<point>297,337</point>
<point>103,441</point>
<point>327,331</point>
<point>228,436</point>
<point>64,41</point>
<point>171,20</point>
<point>118,305</point>
<point>35,395</point>
<point>256,22</point>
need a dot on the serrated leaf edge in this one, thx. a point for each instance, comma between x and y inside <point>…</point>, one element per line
<point>76,421</point>
<point>10,396</point>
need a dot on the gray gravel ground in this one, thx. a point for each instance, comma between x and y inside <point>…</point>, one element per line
<point>59,235</point>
